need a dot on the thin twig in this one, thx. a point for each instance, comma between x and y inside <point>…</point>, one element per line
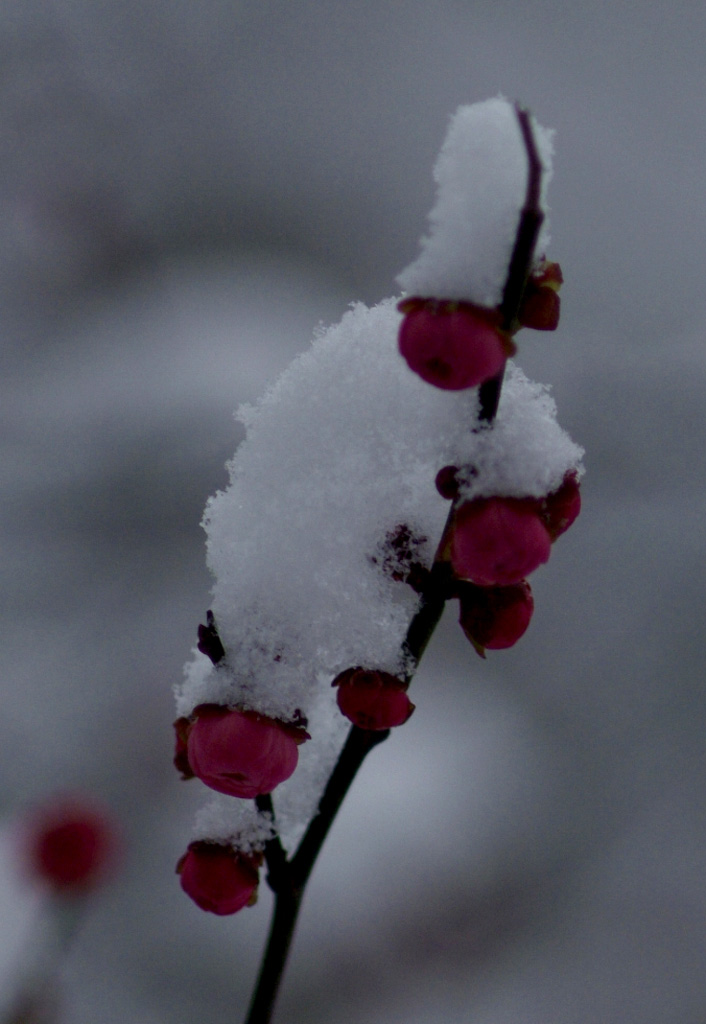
<point>428,614</point>
<point>531,217</point>
<point>288,878</point>
<point>284,920</point>
<point>275,853</point>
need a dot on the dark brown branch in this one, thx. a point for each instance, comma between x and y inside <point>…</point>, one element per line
<point>489,397</point>
<point>286,910</point>
<point>279,940</point>
<point>357,747</point>
<point>531,217</point>
<point>427,616</point>
<point>275,853</point>
<point>287,878</point>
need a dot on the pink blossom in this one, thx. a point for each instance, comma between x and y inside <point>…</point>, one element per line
<point>452,345</point>
<point>218,878</point>
<point>372,699</point>
<point>498,541</point>
<point>240,752</point>
<point>495,617</point>
<point>70,845</point>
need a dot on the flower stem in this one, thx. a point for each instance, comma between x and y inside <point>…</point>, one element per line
<point>288,877</point>
<point>531,217</point>
<point>282,927</point>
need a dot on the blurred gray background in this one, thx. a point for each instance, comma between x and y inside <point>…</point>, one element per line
<point>187,188</point>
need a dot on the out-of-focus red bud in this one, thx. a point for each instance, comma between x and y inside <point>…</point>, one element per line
<point>71,845</point>
<point>498,541</point>
<point>372,699</point>
<point>218,878</point>
<point>242,753</point>
<point>453,345</point>
<point>495,617</point>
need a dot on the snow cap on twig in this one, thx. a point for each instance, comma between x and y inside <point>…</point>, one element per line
<point>481,177</point>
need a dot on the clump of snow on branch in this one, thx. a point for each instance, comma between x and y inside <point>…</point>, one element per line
<point>523,455</point>
<point>481,176</point>
<point>340,453</point>
<point>237,822</point>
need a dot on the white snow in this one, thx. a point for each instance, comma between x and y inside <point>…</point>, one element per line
<point>526,454</point>
<point>237,822</point>
<point>481,175</point>
<point>345,447</point>
<point>343,450</point>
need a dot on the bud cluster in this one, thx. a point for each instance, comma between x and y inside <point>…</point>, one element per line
<point>320,545</point>
<point>492,543</point>
<point>239,753</point>
<point>456,345</point>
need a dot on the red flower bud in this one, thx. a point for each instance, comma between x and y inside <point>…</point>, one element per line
<point>541,304</point>
<point>548,275</point>
<point>452,345</point>
<point>240,752</point>
<point>495,617</point>
<point>447,483</point>
<point>218,878</point>
<point>372,699</point>
<point>560,508</point>
<point>71,846</point>
<point>498,541</point>
<point>540,310</point>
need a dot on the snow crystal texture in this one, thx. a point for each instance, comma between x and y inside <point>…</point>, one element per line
<point>341,452</point>
<point>481,176</point>
<point>234,822</point>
